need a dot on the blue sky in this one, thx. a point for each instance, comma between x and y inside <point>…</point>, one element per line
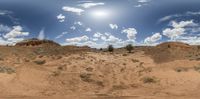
<point>98,23</point>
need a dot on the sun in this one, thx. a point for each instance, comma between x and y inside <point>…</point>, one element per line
<point>101,14</point>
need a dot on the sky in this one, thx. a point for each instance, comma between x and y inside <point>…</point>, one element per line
<point>99,23</point>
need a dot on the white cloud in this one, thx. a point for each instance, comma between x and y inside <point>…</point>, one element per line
<point>72,9</point>
<point>139,5</point>
<point>144,1</point>
<point>73,27</point>
<point>95,39</point>
<point>61,35</point>
<point>178,29</point>
<point>5,12</point>
<point>41,35</point>
<point>78,23</point>
<point>183,24</point>
<point>88,30</point>
<point>173,33</point>
<point>153,39</point>
<point>16,32</point>
<point>61,18</point>
<point>78,39</point>
<point>113,26</point>
<point>131,33</point>
<point>174,16</point>
<point>89,5</point>
<point>4,28</point>
<point>112,39</point>
<point>97,35</point>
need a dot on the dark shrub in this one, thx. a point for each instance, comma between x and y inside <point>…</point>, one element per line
<point>40,62</point>
<point>129,48</point>
<point>110,48</point>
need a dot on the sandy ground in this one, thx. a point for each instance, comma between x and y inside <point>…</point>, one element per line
<point>97,75</point>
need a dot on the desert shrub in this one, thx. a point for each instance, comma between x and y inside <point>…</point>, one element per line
<point>181,69</point>
<point>197,68</point>
<point>135,60</point>
<point>8,70</point>
<point>40,62</point>
<point>56,73</point>
<point>119,87</point>
<point>86,77</point>
<point>124,55</point>
<point>89,69</point>
<point>129,48</point>
<point>59,57</point>
<point>198,47</point>
<point>149,80</point>
<point>110,48</point>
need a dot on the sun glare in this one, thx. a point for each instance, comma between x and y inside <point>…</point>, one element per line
<point>100,14</point>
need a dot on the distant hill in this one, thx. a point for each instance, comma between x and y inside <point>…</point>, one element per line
<point>36,42</point>
<point>169,51</point>
<point>174,45</point>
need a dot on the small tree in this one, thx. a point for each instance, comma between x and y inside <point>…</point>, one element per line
<point>129,48</point>
<point>110,48</point>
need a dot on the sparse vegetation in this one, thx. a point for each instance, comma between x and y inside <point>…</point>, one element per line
<point>135,60</point>
<point>89,69</point>
<point>40,62</point>
<point>8,70</point>
<point>119,87</point>
<point>110,48</point>
<point>181,69</point>
<point>56,73</point>
<point>86,77</point>
<point>197,68</point>
<point>129,48</point>
<point>149,80</point>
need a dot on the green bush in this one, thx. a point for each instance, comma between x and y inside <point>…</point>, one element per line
<point>129,48</point>
<point>110,48</point>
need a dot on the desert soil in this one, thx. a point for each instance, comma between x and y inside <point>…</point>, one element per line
<point>31,73</point>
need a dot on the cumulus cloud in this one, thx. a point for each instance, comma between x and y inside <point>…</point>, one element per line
<point>153,39</point>
<point>4,28</point>
<point>61,18</point>
<point>88,30</point>
<point>73,27</point>
<point>183,24</point>
<point>173,33</point>
<point>12,35</point>
<point>78,39</point>
<point>113,26</point>
<point>131,33</point>
<point>78,11</point>
<point>193,40</point>
<point>17,31</point>
<point>41,35</point>
<point>112,39</point>
<point>178,29</point>
<point>97,35</point>
<point>78,23</point>
<point>90,4</point>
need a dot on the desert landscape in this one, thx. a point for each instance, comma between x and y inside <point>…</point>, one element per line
<point>42,69</point>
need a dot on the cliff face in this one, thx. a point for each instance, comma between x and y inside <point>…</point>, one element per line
<point>36,42</point>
